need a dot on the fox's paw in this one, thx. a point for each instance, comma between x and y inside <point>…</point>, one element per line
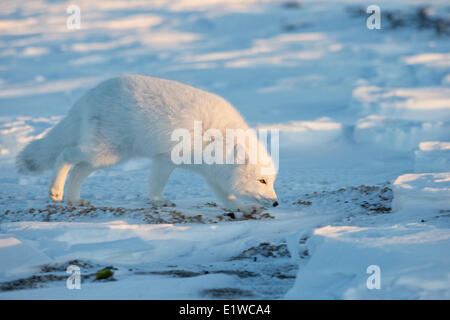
<point>56,195</point>
<point>79,203</point>
<point>162,202</point>
<point>248,210</point>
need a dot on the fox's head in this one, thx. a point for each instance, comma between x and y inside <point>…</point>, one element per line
<point>254,179</point>
<point>251,182</point>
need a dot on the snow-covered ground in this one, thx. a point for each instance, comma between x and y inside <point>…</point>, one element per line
<point>364,180</point>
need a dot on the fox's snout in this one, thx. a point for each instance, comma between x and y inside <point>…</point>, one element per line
<point>269,202</point>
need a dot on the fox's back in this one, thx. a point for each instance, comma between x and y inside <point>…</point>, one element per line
<point>134,110</point>
<point>157,100</point>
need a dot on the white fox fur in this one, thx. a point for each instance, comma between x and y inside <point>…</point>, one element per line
<point>134,116</point>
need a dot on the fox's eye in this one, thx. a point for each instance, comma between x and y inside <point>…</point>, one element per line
<point>262,181</point>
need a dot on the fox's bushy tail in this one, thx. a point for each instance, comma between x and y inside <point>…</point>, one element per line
<point>40,155</point>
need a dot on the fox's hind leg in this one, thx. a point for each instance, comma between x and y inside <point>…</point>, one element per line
<point>64,162</point>
<point>79,172</point>
<point>159,174</point>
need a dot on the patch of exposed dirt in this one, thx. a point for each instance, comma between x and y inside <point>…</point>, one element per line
<point>36,281</point>
<point>62,267</point>
<point>173,273</point>
<point>362,198</point>
<point>190,274</point>
<point>150,215</point>
<point>54,272</point>
<point>265,250</point>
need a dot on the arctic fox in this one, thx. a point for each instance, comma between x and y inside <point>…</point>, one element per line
<point>134,116</point>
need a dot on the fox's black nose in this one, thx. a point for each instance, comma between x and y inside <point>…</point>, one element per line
<point>275,203</point>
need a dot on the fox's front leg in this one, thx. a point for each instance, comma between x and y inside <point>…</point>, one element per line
<point>159,174</point>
